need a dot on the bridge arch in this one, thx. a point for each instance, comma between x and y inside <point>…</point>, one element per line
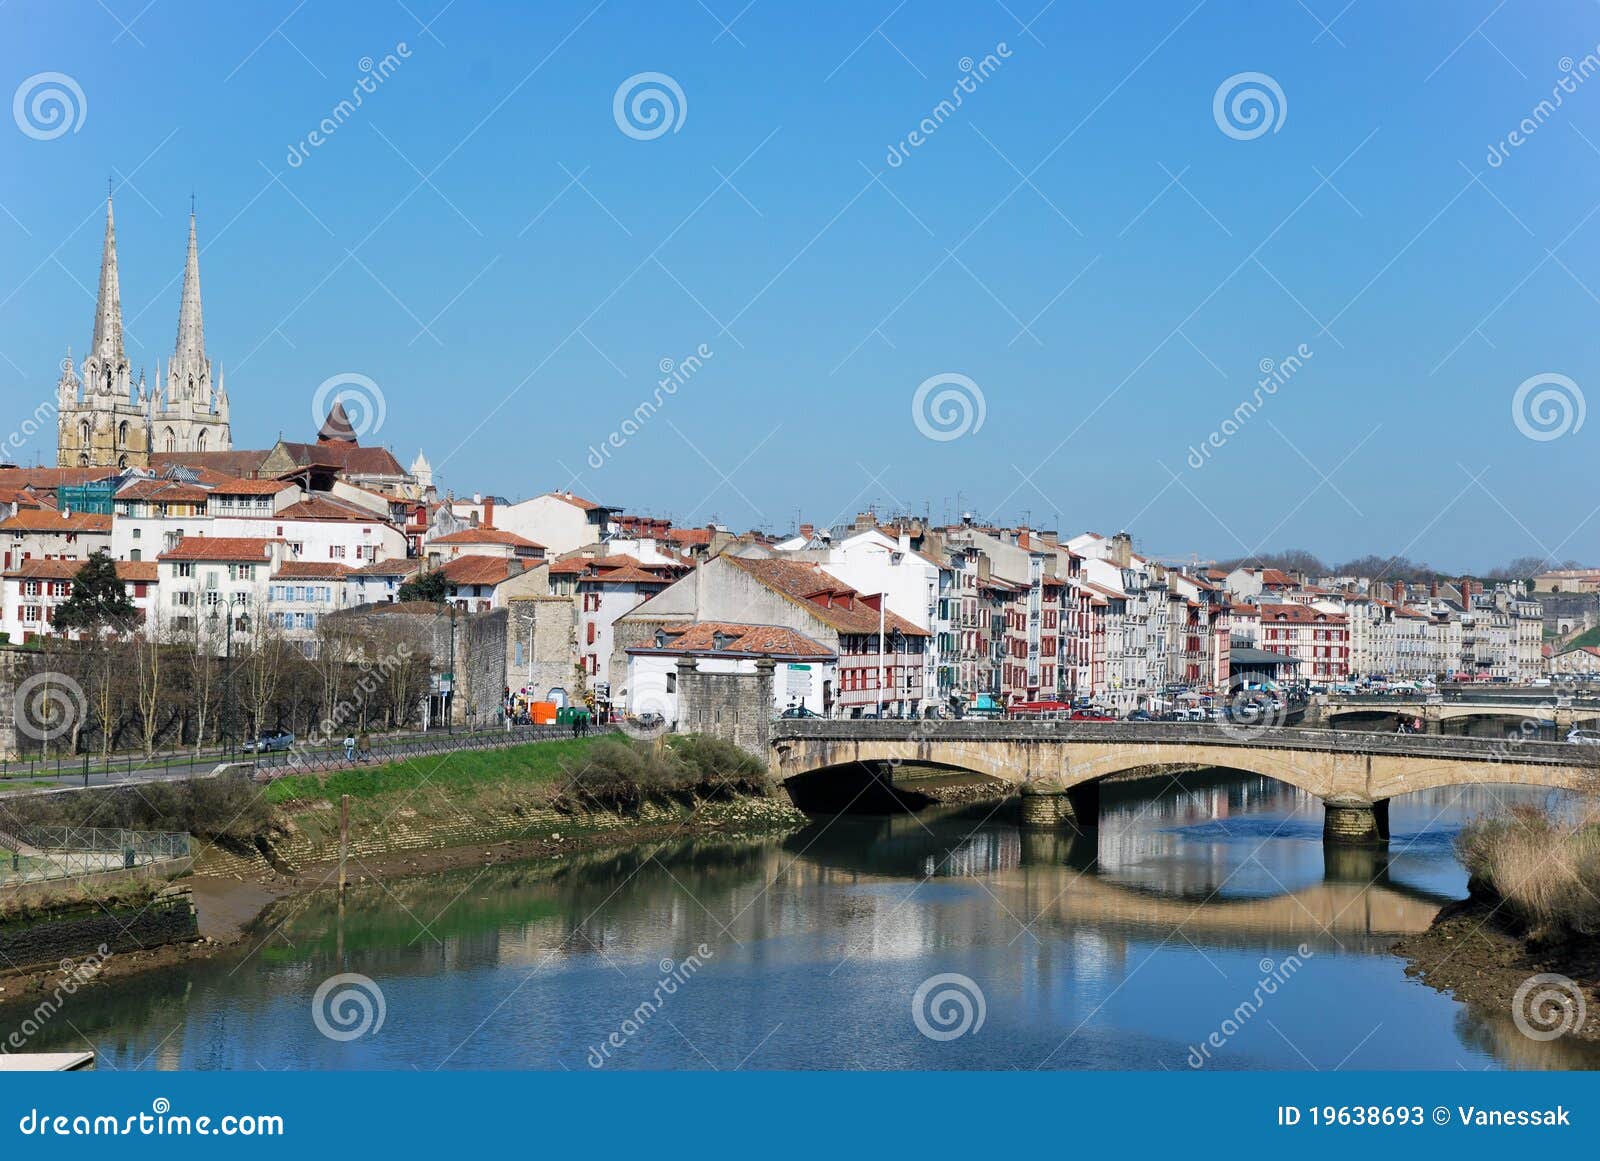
<point>1058,767</point>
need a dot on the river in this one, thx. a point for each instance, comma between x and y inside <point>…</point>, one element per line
<point>1202,927</point>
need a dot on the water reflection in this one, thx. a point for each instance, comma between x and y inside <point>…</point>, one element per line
<point>1117,950</point>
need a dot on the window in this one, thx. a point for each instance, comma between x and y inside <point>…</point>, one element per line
<point>183,568</point>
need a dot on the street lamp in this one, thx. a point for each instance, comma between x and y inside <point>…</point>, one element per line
<point>450,694</point>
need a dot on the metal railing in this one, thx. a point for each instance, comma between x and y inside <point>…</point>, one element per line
<point>40,854</point>
<point>293,761</point>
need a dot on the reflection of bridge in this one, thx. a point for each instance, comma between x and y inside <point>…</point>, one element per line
<point>1058,765</point>
<point>1461,710</point>
<point>1053,878</point>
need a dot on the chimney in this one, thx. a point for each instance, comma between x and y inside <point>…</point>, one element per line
<point>488,512</point>
<point>1399,592</point>
<point>806,530</point>
<point>1433,588</point>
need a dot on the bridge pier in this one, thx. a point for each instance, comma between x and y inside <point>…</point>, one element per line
<point>1047,805</point>
<point>1347,819</point>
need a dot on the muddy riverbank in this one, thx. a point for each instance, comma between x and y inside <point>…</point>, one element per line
<point>1475,952</point>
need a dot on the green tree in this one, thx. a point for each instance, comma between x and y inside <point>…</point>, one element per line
<point>99,602</point>
<point>426,586</point>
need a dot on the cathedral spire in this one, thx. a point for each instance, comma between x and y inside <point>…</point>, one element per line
<point>189,375</point>
<point>107,345</point>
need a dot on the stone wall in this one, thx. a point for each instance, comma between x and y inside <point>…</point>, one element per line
<point>73,933</point>
<point>736,707</point>
<point>13,667</point>
<point>545,628</point>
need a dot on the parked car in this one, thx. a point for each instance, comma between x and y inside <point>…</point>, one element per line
<point>271,740</point>
<point>1092,715</point>
<point>799,711</point>
<point>1140,715</point>
<point>1584,737</point>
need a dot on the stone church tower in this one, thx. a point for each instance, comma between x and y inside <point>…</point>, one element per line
<point>194,417</point>
<point>105,420</point>
<point>108,426</point>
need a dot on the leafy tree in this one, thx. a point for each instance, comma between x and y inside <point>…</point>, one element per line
<point>99,602</point>
<point>426,586</point>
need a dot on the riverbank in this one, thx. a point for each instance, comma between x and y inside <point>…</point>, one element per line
<point>1476,952</point>
<point>237,898</point>
<point>541,802</point>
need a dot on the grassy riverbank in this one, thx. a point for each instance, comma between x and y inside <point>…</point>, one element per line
<point>473,796</point>
<point>1542,867</point>
<point>1534,910</point>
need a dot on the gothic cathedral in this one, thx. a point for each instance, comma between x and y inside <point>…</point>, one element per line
<point>106,420</point>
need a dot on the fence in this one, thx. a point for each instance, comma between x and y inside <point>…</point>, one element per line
<point>293,761</point>
<point>38,854</point>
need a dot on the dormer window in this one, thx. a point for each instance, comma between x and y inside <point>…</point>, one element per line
<point>661,638</point>
<point>721,641</point>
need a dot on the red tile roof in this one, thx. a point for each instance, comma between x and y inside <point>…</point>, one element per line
<point>310,570</point>
<point>575,501</point>
<point>627,575</point>
<point>1302,614</point>
<point>241,549</point>
<point>128,570</point>
<point>239,487</point>
<point>397,566</point>
<point>50,520</point>
<point>483,535</point>
<point>480,570</point>
<point>322,508</point>
<point>756,640</point>
<point>168,491</point>
<point>53,477</point>
<point>823,595</point>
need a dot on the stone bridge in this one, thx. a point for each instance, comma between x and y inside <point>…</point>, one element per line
<point>1458,712</point>
<point>1057,766</point>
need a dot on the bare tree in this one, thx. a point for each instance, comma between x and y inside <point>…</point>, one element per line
<point>147,649</point>
<point>263,668</point>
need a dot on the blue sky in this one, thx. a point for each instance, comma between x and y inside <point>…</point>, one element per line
<point>1080,239</point>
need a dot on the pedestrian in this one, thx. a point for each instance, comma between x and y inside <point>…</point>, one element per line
<point>349,747</point>
<point>364,745</point>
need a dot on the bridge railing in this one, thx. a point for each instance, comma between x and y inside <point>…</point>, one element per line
<point>1202,733</point>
